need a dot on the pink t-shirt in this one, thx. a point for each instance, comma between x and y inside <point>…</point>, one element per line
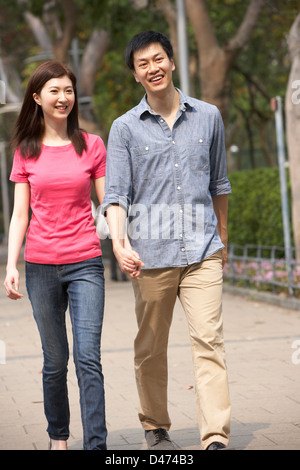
<point>61,228</point>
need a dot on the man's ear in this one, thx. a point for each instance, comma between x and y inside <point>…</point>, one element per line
<point>135,76</point>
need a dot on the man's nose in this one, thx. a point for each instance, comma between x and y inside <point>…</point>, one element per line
<point>153,67</point>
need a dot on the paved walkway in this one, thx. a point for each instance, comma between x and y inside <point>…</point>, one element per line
<point>264,374</point>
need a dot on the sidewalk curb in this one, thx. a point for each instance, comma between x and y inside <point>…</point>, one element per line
<point>273,299</point>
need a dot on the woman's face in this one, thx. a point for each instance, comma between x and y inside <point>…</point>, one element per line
<point>56,99</point>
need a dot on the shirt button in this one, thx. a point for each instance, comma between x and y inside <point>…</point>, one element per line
<point>181,211</point>
<point>200,141</point>
<point>173,142</point>
<point>146,148</point>
<point>179,188</point>
<point>182,249</point>
<point>180,235</point>
<point>161,120</point>
<point>176,164</point>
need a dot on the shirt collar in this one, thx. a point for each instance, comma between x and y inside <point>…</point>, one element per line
<point>184,100</point>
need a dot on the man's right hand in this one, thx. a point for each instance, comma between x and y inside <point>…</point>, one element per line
<point>129,261</point>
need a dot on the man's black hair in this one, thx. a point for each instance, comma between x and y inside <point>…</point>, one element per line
<point>144,39</point>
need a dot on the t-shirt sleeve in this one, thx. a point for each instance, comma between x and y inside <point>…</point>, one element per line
<point>18,172</point>
<point>99,153</point>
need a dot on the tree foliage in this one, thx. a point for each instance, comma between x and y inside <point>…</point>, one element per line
<point>260,71</point>
<point>255,208</point>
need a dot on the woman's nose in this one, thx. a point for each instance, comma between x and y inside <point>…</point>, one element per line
<point>62,96</point>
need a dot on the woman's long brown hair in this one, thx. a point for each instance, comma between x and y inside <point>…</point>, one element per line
<point>29,126</point>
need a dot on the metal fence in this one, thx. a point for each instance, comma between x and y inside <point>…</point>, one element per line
<point>263,267</point>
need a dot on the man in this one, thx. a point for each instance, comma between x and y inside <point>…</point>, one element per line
<point>166,171</point>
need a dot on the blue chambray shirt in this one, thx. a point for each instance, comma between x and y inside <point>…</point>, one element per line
<point>165,179</point>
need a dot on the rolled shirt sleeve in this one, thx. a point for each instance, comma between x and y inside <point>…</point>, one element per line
<point>118,186</point>
<point>219,183</point>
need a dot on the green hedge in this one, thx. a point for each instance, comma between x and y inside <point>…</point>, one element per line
<point>254,215</point>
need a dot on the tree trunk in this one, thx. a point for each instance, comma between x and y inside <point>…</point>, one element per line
<point>55,36</point>
<point>90,64</point>
<point>169,12</point>
<point>292,108</point>
<point>263,139</point>
<point>91,61</point>
<point>62,44</point>
<point>215,62</point>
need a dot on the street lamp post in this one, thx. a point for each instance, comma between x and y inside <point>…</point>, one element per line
<point>183,47</point>
<point>276,105</point>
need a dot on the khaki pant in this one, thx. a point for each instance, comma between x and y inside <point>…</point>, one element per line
<point>199,288</point>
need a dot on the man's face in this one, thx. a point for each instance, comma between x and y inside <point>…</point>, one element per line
<point>153,68</point>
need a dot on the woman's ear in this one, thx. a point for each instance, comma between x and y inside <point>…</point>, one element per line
<point>36,98</point>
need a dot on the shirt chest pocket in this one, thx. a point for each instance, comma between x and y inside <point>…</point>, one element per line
<point>149,161</point>
<point>198,154</point>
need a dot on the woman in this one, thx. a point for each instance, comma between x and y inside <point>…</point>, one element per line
<point>54,163</point>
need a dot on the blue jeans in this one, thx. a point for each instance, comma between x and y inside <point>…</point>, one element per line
<point>51,289</point>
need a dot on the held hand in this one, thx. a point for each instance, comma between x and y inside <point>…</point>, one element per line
<point>11,284</point>
<point>129,261</point>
